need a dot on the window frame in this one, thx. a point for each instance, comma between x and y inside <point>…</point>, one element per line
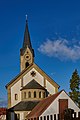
<point>35,94</point>
<point>16,96</point>
<point>29,94</point>
<point>24,95</point>
<point>40,94</point>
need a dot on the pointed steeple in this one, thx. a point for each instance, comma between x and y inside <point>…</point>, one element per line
<point>26,41</point>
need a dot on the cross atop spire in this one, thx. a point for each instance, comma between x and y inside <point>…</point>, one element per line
<point>26,17</point>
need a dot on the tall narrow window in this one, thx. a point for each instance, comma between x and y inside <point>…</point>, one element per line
<point>29,94</point>
<point>18,116</point>
<point>48,117</point>
<point>39,94</point>
<point>43,94</point>
<point>34,94</point>
<point>22,82</point>
<point>44,117</point>
<point>16,96</point>
<point>24,95</point>
<point>51,117</point>
<point>27,64</point>
<point>41,118</point>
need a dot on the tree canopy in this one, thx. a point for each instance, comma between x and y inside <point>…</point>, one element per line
<point>75,87</point>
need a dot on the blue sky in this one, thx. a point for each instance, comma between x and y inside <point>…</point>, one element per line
<point>54,27</point>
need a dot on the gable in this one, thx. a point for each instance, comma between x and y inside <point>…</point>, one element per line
<point>50,105</point>
<point>54,106</point>
<point>24,72</point>
<point>28,77</point>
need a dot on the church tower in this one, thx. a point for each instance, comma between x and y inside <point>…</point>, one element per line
<point>26,52</point>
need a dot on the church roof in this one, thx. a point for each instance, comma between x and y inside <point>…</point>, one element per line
<point>27,37</point>
<point>42,106</point>
<point>26,41</point>
<point>25,71</point>
<point>33,85</point>
<point>24,106</point>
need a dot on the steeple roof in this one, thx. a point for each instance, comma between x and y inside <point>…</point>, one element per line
<point>26,41</point>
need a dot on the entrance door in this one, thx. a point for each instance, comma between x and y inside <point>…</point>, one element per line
<point>63,104</point>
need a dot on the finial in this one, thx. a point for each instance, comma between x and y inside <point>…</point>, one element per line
<point>26,18</point>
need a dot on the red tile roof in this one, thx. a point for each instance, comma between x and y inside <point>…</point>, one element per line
<point>3,111</point>
<point>42,106</point>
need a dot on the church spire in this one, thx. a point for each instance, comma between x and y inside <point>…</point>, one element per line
<point>27,41</point>
<point>26,52</point>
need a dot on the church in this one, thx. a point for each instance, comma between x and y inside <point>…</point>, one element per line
<point>32,90</point>
<point>31,85</point>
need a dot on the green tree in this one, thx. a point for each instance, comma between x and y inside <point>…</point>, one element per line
<point>75,87</point>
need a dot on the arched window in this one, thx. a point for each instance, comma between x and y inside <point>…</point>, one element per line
<point>43,94</point>
<point>29,94</point>
<point>39,94</point>
<point>16,96</point>
<point>24,95</point>
<point>27,64</point>
<point>34,94</point>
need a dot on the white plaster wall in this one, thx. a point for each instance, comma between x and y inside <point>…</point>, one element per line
<point>21,114</point>
<point>40,79</point>
<point>54,106</point>
<point>50,88</point>
<point>15,89</point>
<point>27,78</point>
<point>52,109</point>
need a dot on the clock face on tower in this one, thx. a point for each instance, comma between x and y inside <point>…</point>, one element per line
<point>27,57</point>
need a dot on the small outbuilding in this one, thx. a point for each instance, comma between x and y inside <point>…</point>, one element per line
<point>55,104</point>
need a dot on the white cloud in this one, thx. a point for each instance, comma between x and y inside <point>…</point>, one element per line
<point>61,49</point>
